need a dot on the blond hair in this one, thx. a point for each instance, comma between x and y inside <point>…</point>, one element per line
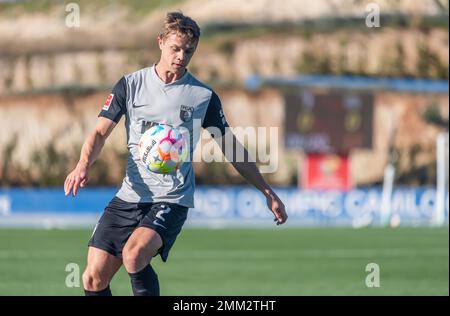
<point>178,23</point>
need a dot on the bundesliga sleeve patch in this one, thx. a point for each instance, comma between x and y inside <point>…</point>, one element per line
<point>108,102</point>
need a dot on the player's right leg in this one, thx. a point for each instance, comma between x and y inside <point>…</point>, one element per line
<point>105,246</point>
<point>100,269</point>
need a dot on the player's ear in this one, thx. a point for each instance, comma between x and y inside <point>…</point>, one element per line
<point>195,44</point>
<point>160,41</point>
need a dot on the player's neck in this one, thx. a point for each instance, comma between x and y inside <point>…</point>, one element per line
<point>166,75</point>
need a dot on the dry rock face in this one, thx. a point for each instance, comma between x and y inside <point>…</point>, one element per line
<point>33,123</point>
<point>390,52</point>
<point>39,51</point>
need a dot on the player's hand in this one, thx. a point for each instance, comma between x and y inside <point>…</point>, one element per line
<point>77,178</point>
<point>277,207</point>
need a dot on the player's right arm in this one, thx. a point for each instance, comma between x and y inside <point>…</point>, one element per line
<point>89,153</point>
<point>109,116</point>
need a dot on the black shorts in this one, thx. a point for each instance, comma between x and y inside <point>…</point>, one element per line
<point>121,218</point>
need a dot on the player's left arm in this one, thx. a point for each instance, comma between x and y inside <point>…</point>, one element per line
<point>249,171</point>
<point>247,168</point>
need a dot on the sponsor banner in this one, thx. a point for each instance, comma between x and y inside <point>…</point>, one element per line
<point>220,205</point>
<point>326,172</point>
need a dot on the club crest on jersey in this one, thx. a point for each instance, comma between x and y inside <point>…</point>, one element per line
<point>186,113</point>
<point>108,102</point>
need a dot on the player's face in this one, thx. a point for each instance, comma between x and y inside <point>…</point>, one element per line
<point>176,52</point>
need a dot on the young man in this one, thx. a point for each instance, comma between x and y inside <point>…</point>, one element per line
<point>146,215</point>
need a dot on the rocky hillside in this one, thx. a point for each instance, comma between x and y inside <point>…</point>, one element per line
<point>42,136</point>
<point>39,52</point>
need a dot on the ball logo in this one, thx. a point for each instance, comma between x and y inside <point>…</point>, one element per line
<point>186,113</point>
<point>147,150</point>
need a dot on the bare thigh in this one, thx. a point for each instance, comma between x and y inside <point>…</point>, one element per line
<point>143,244</point>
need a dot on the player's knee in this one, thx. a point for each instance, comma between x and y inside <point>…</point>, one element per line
<point>134,258</point>
<point>92,281</point>
<point>130,257</point>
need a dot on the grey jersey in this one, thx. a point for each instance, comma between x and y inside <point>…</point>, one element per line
<point>145,99</point>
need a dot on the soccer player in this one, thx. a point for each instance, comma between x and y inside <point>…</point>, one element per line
<point>149,210</point>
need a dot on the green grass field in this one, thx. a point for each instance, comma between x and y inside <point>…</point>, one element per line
<point>278,261</point>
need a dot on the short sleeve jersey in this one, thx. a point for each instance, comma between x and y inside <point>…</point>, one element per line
<point>144,99</point>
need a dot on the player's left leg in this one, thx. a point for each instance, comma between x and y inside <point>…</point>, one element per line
<point>156,233</point>
<point>143,244</point>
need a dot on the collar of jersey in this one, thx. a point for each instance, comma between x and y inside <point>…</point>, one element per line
<point>154,75</point>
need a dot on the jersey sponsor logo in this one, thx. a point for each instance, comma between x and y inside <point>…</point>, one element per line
<point>145,125</point>
<point>186,113</point>
<point>108,102</point>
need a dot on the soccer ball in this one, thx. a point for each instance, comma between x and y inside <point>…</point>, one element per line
<point>162,149</point>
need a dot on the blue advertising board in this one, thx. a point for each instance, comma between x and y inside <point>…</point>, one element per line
<point>224,206</point>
